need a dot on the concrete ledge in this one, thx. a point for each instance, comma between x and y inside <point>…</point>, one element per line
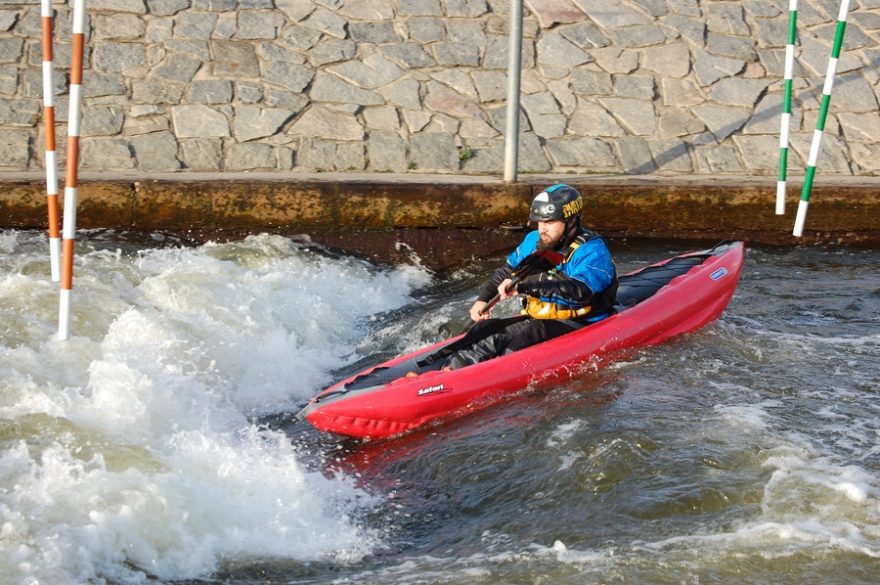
<point>369,213</point>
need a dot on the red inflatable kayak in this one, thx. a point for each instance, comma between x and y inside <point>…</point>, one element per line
<point>676,296</point>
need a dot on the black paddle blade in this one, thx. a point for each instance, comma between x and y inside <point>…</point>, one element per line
<point>450,329</point>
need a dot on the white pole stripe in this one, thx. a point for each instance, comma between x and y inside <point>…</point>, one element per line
<point>64,314</point>
<point>69,230</point>
<point>51,172</point>
<point>814,148</point>
<point>780,197</point>
<point>792,5</point>
<point>783,134</point>
<point>844,9</point>
<point>48,84</point>
<point>79,17</point>
<point>801,218</point>
<point>829,76</point>
<point>55,258</point>
<point>73,122</point>
<point>789,61</point>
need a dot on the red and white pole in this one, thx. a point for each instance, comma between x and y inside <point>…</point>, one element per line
<point>51,159</point>
<point>68,233</point>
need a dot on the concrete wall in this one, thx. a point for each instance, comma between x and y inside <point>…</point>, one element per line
<point>637,87</point>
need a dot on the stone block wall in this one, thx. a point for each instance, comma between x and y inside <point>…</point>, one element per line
<point>626,87</point>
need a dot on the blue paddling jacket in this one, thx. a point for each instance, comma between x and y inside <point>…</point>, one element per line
<point>583,286</point>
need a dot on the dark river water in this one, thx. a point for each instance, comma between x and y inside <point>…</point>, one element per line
<point>160,443</point>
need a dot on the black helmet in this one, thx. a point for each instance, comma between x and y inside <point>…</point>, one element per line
<point>561,202</point>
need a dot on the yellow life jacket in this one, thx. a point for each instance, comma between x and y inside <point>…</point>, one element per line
<point>538,309</point>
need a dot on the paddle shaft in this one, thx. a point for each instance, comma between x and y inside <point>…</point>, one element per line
<point>494,300</point>
<point>535,262</point>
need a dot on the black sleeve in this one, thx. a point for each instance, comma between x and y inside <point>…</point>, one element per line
<point>490,287</point>
<point>559,286</point>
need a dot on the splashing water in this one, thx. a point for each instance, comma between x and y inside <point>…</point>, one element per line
<point>129,451</point>
<point>158,443</point>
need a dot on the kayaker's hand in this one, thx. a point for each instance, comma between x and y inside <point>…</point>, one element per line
<point>507,289</point>
<point>476,311</point>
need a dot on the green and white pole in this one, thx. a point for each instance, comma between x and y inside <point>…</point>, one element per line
<point>786,107</point>
<point>820,123</point>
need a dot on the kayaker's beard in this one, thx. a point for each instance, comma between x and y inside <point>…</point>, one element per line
<point>547,244</point>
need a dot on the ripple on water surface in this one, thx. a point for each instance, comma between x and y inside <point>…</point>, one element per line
<point>160,440</point>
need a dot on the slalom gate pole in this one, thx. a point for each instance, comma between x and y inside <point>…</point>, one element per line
<point>70,187</point>
<point>786,107</point>
<point>48,22</point>
<point>804,203</point>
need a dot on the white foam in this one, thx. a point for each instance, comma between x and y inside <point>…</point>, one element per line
<point>562,433</point>
<point>753,416</point>
<point>140,457</point>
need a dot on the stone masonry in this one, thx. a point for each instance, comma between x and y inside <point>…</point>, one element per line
<point>681,87</point>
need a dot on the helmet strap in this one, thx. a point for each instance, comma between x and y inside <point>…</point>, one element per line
<point>572,228</point>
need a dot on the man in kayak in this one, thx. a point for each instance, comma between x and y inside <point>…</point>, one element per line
<point>580,290</point>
